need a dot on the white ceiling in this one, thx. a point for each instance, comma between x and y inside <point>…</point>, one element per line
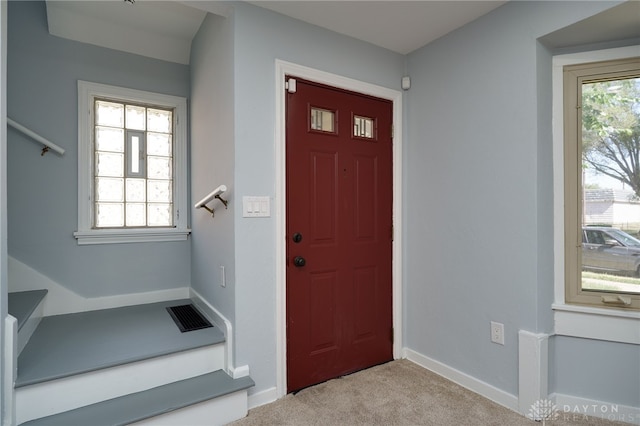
<point>161,30</point>
<point>400,26</point>
<point>164,29</point>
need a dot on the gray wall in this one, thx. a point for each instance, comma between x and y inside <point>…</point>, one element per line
<point>42,197</point>
<point>479,211</point>
<point>212,161</point>
<point>614,370</point>
<point>260,38</point>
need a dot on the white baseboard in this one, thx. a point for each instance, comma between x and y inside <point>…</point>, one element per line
<point>263,397</point>
<point>61,300</point>
<point>576,408</point>
<point>484,389</point>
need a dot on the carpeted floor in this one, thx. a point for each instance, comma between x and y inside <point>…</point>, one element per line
<point>398,393</point>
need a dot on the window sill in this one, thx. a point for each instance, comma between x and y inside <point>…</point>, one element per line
<point>613,325</point>
<point>119,236</point>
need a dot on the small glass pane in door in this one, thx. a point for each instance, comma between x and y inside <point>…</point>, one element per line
<point>362,127</point>
<point>323,120</point>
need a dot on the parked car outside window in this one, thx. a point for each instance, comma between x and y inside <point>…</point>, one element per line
<point>610,250</point>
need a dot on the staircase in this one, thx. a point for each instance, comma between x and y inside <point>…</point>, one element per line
<point>119,366</point>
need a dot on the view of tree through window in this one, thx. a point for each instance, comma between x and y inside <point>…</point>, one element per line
<point>611,185</point>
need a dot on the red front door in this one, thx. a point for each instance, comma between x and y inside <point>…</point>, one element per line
<point>339,233</point>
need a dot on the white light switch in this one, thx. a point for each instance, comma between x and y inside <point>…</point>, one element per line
<point>256,207</point>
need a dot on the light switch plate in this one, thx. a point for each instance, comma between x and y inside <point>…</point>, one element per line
<point>253,206</point>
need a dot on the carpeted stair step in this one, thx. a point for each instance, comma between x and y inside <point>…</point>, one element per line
<point>154,402</point>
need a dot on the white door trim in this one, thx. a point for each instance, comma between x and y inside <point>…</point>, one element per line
<point>286,68</point>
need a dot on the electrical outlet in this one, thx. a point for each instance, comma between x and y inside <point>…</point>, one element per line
<point>497,333</point>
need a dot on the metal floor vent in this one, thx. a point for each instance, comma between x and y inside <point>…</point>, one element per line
<point>187,318</point>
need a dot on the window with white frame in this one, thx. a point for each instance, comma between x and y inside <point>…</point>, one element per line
<point>131,165</point>
<point>602,183</point>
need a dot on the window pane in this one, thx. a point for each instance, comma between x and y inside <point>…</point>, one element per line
<point>611,186</point>
<point>109,215</point>
<point>159,144</point>
<point>159,191</point>
<point>159,120</point>
<point>135,190</point>
<point>134,154</point>
<point>109,189</point>
<point>363,127</point>
<point>109,139</point>
<point>159,215</point>
<point>322,119</point>
<point>109,164</point>
<point>109,114</point>
<point>136,214</point>
<point>136,117</point>
<point>158,167</point>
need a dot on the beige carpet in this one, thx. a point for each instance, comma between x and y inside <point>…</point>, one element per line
<point>398,393</point>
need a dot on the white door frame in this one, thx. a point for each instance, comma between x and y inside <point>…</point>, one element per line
<point>286,68</point>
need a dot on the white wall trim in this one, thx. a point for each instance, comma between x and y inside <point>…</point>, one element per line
<point>225,325</point>
<point>573,408</point>
<point>286,68</point>
<point>10,364</point>
<point>61,300</point>
<point>533,369</point>
<point>263,397</point>
<point>241,371</point>
<point>612,325</point>
<point>484,389</point>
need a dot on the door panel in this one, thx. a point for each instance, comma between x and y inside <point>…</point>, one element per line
<point>322,296</point>
<point>323,208</point>
<point>365,198</point>
<point>339,200</point>
<point>365,296</point>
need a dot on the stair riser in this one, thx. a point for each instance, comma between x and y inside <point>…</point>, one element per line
<point>215,412</point>
<point>65,394</point>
